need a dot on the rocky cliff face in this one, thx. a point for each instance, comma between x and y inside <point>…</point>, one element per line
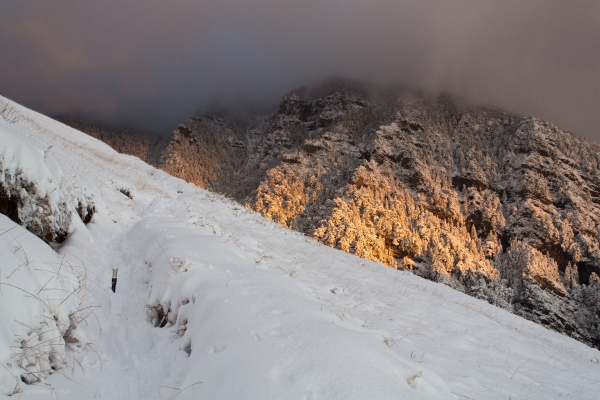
<point>503,207</point>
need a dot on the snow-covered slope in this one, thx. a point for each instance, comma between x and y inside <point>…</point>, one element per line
<point>215,302</point>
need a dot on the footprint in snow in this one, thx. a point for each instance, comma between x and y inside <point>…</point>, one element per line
<point>217,349</point>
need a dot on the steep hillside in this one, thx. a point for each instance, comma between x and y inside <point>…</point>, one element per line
<point>214,301</point>
<point>499,206</point>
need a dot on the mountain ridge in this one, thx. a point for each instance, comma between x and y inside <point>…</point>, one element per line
<point>502,207</point>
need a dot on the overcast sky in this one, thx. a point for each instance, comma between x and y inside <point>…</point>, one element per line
<point>153,62</point>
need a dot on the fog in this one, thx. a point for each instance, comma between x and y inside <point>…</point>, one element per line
<point>153,62</point>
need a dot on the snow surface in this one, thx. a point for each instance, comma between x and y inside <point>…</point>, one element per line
<point>258,311</point>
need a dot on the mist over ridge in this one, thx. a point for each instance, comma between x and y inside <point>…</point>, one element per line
<point>152,63</point>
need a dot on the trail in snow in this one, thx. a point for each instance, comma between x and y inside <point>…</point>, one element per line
<point>257,311</point>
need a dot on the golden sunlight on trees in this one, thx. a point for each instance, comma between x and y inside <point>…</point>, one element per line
<point>283,195</point>
<point>378,219</point>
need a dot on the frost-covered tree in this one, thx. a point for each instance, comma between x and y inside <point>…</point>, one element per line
<point>522,262</point>
<point>283,195</point>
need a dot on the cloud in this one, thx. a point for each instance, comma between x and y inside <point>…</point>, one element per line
<point>153,62</point>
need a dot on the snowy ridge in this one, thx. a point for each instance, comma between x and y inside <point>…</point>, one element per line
<point>213,301</point>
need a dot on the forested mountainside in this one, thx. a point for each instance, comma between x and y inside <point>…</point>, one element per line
<point>500,206</point>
